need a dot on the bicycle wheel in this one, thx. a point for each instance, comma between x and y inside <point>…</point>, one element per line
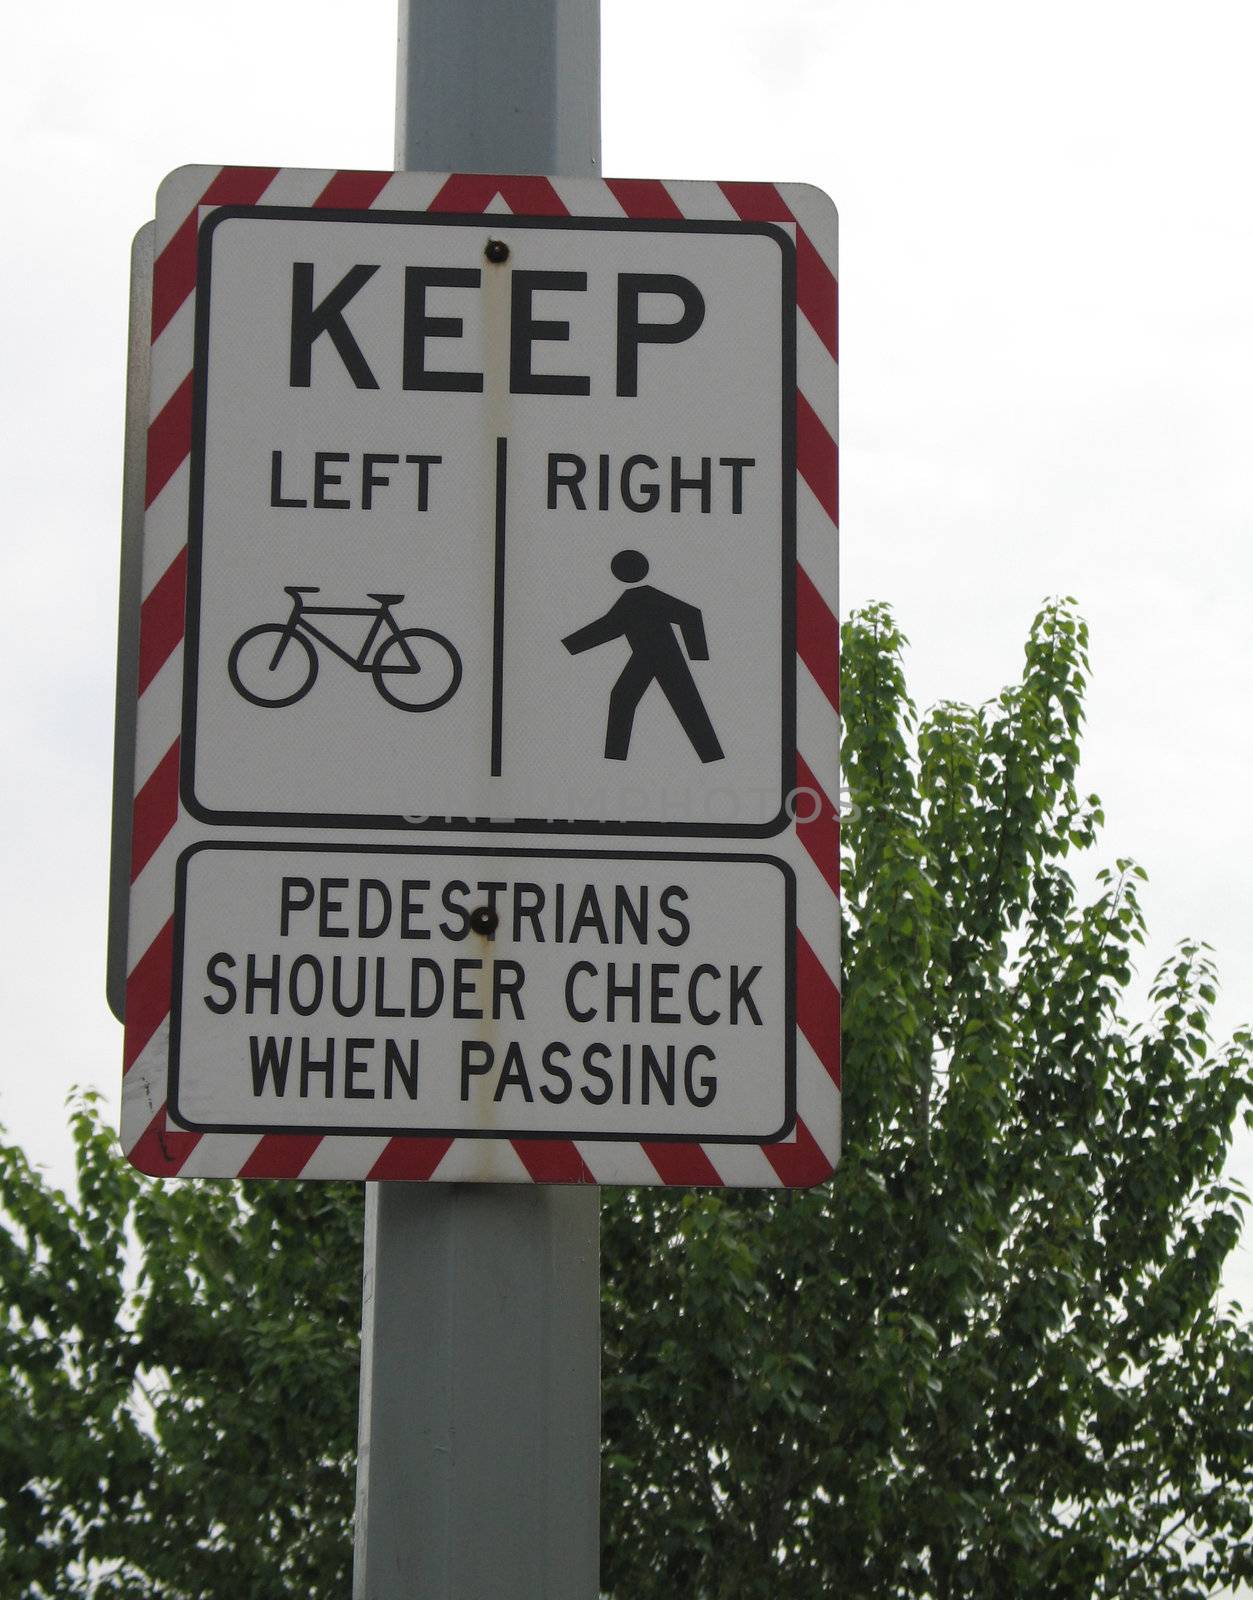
<point>416,670</point>
<point>271,666</point>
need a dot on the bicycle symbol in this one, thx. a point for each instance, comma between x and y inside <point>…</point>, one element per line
<point>275,663</point>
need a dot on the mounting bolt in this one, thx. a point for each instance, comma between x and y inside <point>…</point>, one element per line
<point>497,251</point>
<point>485,921</point>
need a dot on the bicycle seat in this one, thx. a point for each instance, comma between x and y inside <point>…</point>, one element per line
<point>301,588</point>
<point>387,599</point>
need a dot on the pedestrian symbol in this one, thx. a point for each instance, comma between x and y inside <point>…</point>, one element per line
<point>647,619</point>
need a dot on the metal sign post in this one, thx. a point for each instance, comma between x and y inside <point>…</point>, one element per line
<point>478,1466</point>
<point>506,450</point>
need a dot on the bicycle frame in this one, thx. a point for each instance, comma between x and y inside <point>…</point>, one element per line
<point>298,621</point>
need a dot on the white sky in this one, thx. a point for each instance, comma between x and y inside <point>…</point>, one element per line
<point>1046,342</point>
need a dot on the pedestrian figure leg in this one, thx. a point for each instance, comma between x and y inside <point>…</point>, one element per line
<point>679,688</point>
<point>634,678</point>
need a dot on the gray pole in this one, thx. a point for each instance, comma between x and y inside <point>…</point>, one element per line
<point>478,1466</point>
<point>499,86</point>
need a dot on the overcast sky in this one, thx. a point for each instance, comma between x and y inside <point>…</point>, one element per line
<point>1047,364</point>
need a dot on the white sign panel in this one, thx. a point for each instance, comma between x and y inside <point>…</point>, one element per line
<point>616,995</point>
<point>487,725</point>
<point>466,493</point>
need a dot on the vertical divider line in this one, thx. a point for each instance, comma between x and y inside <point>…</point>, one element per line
<point>498,611</point>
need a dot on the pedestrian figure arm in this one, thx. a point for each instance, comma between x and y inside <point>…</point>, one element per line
<point>599,632</point>
<point>692,627</point>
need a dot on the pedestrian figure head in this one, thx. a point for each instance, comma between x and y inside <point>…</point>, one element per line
<point>629,566</point>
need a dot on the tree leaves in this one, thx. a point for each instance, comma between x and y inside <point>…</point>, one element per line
<point>191,1434</point>
<point>1016,1378</point>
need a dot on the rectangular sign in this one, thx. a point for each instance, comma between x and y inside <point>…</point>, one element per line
<point>613,996</point>
<point>416,476</point>
<point>486,737</point>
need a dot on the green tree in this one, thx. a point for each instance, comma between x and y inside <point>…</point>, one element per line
<point>191,1435</point>
<point>989,1360</point>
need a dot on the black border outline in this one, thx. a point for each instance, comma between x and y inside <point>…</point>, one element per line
<point>462,824</point>
<point>489,852</point>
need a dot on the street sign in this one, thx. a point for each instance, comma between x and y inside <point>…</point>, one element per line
<point>486,734</point>
<point>347,989</point>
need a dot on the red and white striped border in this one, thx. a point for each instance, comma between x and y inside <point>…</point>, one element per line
<point>162,829</point>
